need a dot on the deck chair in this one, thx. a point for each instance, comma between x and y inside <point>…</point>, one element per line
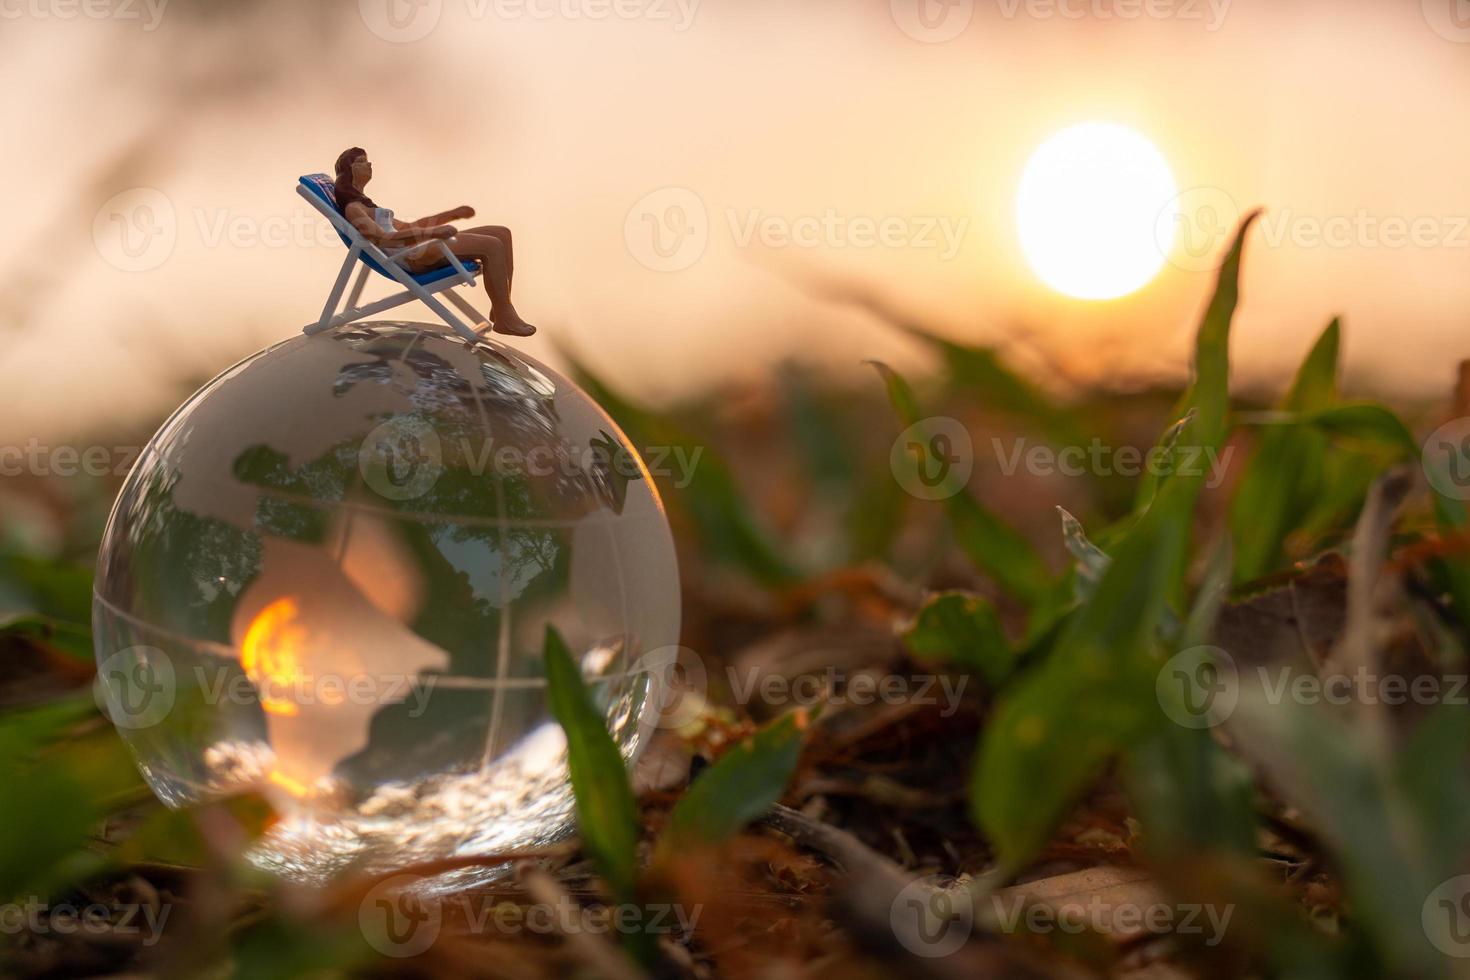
<point>318,191</point>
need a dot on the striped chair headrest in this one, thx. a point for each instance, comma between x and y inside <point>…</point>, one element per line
<point>323,186</point>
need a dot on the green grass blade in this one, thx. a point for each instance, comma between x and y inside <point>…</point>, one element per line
<point>1285,476</point>
<point>746,782</point>
<point>961,628</point>
<point>992,545</point>
<point>607,816</point>
<point>722,519</point>
<point>1094,695</point>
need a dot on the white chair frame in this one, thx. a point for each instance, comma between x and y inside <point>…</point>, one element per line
<point>351,312</point>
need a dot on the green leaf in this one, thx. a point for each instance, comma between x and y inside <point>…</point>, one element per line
<point>1366,423</point>
<point>58,589</point>
<point>1285,477</point>
<point>900,394</point>
<point>70,638</point>
<point>746,782</point>
<point>979,373</point>
<point>607,816</point>
<point>1190,795</point>
<point>1208,395</point>
<point>52,798</point>
<point>961,628</point>
<point>1453,519</point>
<point>992,546</point>
<point>727,528</point>
<point>1090,559</point>
<point>1382,837</point>
<point>1094,695</point>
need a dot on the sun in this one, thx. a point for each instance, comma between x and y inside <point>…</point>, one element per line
<point>1092,206</point>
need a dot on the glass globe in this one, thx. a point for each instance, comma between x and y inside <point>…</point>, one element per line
<point>329,579</point>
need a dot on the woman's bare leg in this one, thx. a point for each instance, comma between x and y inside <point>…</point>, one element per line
<point>503,233</point>
<point>493,256</point>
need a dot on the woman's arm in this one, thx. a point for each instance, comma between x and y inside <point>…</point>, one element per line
<point>458,214</point>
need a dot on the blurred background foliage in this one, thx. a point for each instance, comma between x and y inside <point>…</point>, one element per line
<point>1062,596</point>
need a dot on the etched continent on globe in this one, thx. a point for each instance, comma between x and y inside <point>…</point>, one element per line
<point>329,578</point>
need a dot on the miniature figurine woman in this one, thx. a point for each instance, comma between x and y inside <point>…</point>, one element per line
<point>489,245</point>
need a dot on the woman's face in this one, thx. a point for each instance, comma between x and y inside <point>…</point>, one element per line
<point>362,171</point>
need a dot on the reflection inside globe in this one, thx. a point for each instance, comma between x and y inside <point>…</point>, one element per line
<point>329,578</point>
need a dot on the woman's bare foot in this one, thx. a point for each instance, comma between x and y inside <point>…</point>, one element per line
<point>509,322</point>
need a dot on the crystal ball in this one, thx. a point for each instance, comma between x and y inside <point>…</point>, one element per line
<point>329,580</point>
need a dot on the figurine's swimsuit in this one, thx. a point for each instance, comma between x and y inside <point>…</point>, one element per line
<point>384,218</point>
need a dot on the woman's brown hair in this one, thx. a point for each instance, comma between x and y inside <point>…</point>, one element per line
<point>343,190</point>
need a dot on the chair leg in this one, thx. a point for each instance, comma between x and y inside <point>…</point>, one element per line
<point>331,306</point>
<point>475,316</point>
<point>453,322</point>
<point>356,293</point>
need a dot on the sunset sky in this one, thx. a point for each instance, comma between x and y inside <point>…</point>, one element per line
<point>689,181</point>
